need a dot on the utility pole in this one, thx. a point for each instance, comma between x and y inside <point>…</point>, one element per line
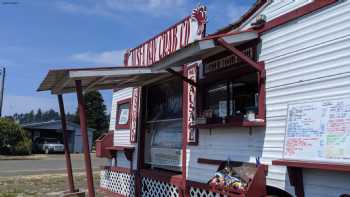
<point>2,85</point>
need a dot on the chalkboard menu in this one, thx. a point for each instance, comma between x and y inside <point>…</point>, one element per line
<point>318,131</point>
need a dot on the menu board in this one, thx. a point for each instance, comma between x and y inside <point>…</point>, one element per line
<point>318,131</point>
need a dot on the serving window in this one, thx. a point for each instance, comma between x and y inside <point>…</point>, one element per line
<point>123,114</point>
<point>231,98</point>
<point>231,91</point>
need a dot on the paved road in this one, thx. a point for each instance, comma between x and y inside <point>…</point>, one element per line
<point>51,164</point>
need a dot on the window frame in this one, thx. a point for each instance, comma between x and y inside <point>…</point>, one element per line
<point>228,74</point>
<point>119,103</point>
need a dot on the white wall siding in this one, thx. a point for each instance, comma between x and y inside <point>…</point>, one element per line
<point>275,9</point>
<point>221,144</point>
<point>307,59</point>
<point>121,136</point>
<point>123,162</point>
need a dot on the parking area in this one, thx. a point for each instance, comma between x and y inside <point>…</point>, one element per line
<point>46,164</point>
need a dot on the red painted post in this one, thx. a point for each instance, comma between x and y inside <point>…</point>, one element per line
<point>83,127</point>
<point>66,147</point>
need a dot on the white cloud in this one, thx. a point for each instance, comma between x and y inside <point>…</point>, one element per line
<point>114,7</point>
<point>105,58</point>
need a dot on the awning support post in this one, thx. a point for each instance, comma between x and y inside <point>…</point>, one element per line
<point>66,145</point>
<point>85,139</point>
<point>169,70</point>
<point>240,55</point>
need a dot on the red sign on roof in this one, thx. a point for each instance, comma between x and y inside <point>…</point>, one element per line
<point>174,38</point>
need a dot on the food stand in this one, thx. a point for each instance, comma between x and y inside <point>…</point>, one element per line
<point>187,105</point>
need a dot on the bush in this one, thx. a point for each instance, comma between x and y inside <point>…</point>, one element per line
<point>13,139</point>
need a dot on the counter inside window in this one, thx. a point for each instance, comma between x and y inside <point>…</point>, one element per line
<point>230,92</point>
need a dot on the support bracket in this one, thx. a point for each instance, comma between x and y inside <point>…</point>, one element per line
<point>257,66</point>
<point>190,81</point>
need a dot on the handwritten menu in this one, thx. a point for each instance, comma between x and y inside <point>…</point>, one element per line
<point>318,131</point>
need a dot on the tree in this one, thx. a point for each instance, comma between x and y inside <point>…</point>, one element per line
<point>38,116</point>
<point>13,139</point>
<point>96,113</point>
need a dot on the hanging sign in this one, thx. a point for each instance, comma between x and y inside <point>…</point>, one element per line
<point>174,38</point>
<point>192,133</point>
<point>226,62</point>
<point>134,114</point>
<point>318,131</point>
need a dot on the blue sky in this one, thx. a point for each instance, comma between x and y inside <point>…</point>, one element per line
<point>38,35</point>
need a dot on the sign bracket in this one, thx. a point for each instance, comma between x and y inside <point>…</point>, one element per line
<point>190,81</point>
<point>257,66</point>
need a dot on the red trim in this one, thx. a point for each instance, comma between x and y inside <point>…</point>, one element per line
<point>302,11</point>
<point>159,34</point>
<point>117,169</point>
<point>66,146</point>
<point>240,54</point>
<point>216,36</point>
<point>262,92</point>
<point>163,176</point>
<point>185,105</point>
<point>184,129</point>
<point>110,193</point>
<point>95,68</point>
<point>243,123</point>
<point>209,161</point>
<point>127,125</point>
<point>313,165</point>
<point>85,137</point>
<point>257,186</point>
<point>128,151</point>
<point>134,112</point>
<point>245,17</point>
<point>104,141</point>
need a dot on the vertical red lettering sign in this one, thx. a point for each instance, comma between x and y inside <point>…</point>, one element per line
<point>134,114</point>
<point>190,116</point>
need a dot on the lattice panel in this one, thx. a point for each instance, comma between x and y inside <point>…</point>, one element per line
<point>154,188</point>
<point>118,182</point>
<point>196,192</point>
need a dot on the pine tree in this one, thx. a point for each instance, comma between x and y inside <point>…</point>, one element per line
<point>38,116</point>
<point>96,113</point>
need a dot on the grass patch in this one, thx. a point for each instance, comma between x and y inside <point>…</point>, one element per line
<point>42,185</point>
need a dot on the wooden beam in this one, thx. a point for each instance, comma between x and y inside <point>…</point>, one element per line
<point>91,86</point>
<point>61,85</point>
<point>66,145</point>
<point>182,77</point>
<point>239,54</point>
<point>85,138</point>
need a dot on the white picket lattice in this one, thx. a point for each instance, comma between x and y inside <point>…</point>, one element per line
<point>197,192</point>
<point>155,188</point>
<point>118,182</point>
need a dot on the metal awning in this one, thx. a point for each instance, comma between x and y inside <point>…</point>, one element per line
<point>63,80</point>
<point>202,49</point>
<point>100,78</point>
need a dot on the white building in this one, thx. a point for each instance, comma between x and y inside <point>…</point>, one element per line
<point>171,132</point>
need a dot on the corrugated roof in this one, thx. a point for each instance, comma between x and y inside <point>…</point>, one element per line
<point>57,123</point>
<point>257,5</point>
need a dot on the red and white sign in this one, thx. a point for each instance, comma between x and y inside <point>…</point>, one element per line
<point>174,38</point>
<point>134,114</point>
<point>192,133</point>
